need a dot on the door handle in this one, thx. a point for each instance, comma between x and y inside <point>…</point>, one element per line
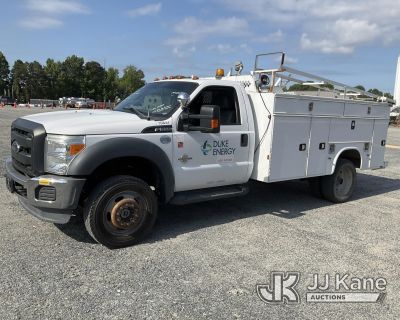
<point>244,140</point>
<point>302,147</point>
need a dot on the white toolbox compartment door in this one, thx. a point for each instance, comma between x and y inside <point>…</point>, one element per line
<point>378,144</point>
<point>318,149</point>
<point>288,160</point>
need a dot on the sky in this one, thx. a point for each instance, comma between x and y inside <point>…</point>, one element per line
<point>354,42</point>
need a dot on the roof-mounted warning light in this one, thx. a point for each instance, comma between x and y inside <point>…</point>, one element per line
<point>219,73</point>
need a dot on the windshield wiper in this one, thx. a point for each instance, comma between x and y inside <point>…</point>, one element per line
<point>134,110</point>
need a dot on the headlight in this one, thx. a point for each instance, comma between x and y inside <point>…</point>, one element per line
<point>60,151</point>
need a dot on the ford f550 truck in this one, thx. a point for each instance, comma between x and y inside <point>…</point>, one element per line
<point>185,140</point>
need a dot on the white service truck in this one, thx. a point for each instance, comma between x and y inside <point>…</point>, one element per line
<point>186,140</point>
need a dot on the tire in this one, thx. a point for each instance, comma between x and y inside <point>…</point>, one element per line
<point>120,211</point>
<point>339,186</point>
<point>315,186</point>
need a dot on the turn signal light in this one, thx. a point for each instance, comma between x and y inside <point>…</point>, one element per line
<point>76,148</point>
<point>214,123</point>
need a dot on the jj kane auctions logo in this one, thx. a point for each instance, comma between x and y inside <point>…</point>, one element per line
<point>339,288</point>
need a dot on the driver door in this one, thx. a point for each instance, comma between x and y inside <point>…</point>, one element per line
<point>205,160</point>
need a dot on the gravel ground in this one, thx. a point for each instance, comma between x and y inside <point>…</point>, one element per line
<point>203,261</point>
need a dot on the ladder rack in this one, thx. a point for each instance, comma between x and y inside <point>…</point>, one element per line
<point>283,72</point>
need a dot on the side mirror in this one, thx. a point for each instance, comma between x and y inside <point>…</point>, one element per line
<point>209,120</point>
<point>183,99</point>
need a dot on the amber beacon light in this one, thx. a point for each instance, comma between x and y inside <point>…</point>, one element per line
<point>219,73</point>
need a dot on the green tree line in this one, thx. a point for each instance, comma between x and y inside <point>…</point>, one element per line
<point>73,77</point>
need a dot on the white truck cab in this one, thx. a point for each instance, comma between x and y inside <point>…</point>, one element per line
<point>186,140</point>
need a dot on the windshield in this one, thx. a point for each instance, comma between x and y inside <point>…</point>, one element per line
<point>156,100</point>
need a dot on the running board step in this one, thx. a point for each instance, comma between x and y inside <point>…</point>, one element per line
<point>201,195</point>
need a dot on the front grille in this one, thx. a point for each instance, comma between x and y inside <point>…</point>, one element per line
<point>27,147</point>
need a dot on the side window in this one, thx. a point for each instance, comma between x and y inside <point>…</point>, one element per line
<point>224,97</point>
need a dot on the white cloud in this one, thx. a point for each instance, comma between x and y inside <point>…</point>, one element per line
<point>40,23</point>
<point>327,26</point>
<point>221,48</point>
<point>56,6</point>
<point>191,31</point>
<point>183,52</point>
<point>245,47</point>
<point>224,26</point>
<point>276,36</point>
<point>147,10</point>
<point>344,37</point>
<point>45,14</point>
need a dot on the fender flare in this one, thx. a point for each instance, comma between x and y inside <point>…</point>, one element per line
<point>352,148</point>
<point>111,149</point>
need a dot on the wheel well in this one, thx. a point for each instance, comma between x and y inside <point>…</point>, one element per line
<point>133,166</point>
<point>352,155</point>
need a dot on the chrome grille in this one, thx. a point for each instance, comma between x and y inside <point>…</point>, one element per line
<point>27,146</point>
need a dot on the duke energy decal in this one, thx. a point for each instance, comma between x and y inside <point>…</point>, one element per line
<point>217,148</point>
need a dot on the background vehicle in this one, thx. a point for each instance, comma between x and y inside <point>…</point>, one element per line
<point>70,102</point>
<point>6,100</point>
<point>84,103</point>
<point>186,140</point>
<point>395,114</point>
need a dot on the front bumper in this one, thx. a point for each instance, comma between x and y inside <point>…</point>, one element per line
<point>56,204</point>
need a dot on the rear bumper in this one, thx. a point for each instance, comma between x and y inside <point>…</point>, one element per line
<point>56,204</point>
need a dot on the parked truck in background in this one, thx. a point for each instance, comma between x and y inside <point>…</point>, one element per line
<point>186,140</point>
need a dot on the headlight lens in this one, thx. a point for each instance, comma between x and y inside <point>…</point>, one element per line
<point>60,151</point>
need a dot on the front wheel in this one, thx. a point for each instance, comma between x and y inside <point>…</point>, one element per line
<point>339,186</point>
<point>120,211</point>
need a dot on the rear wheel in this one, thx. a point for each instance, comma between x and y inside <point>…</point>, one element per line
<point>120,211</point>
<point>339,186</point>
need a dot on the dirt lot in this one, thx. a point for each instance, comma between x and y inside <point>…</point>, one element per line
<point>204,261</point>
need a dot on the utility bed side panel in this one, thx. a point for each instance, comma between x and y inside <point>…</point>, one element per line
<point>351,130</point>
<point>378,144</point>
<point>291,105</point>
<point>380,111</point>
<point>289,147</point>
<point>327,108</point>
<point>307,105</point>
<point>307,134</point>
<point>366,109</point>
<point>318,147</point>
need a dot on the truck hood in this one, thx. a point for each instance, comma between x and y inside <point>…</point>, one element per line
<point>83,122</point>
